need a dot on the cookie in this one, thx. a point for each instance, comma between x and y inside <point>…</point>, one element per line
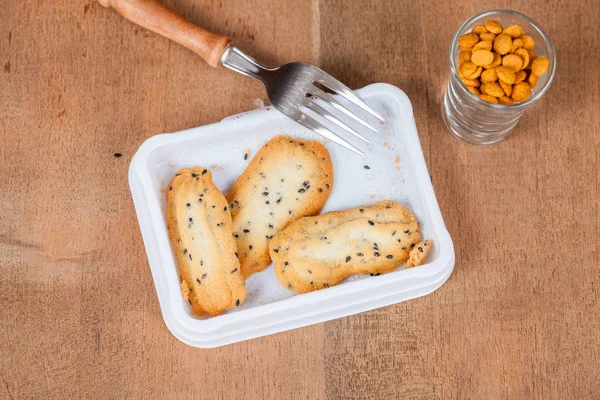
<point>418,254</point>
<point>200,228</point>
<point>287,179</point>
<point>317,252</point>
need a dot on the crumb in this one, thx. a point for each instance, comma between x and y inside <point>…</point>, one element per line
<point>397,159</point>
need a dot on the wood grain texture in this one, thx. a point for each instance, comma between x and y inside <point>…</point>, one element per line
<point>79,318</point>
<point>156,17</point>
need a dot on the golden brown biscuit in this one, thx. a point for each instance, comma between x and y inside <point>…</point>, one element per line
<point>418,254</point>
<point>200,229</point>
<point>287,179</point>
<point>317,252</point>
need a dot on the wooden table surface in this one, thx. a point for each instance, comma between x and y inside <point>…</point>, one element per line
<point>79,317</point>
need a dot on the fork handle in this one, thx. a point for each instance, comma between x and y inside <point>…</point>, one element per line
<point>153,15</point>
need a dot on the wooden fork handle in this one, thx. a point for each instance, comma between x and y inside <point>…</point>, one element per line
<point>153,15</point>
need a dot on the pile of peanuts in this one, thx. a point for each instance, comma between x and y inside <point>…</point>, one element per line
<point>498,64</point>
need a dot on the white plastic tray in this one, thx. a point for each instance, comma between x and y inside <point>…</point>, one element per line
<point>397,172</point>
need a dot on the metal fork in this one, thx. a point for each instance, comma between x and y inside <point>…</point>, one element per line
<point>296,89</point>
<point>297,86</point>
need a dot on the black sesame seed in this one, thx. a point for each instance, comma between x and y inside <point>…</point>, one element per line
<point>250,247</point>
<point>236,254</point>
<point>246,230</point>
<point>348,259</point>
<point>233,270</point>
<point>361,210</point>
<point>237,302</point>
<point>201,262</point>
<point>117,155</point>
<point>425,244</point>
<point>367,167</point>
<point>327,185</point>
<point>246,156</point>
<point>320,190</point>
<point>270,226</point>
<point>170,187</point>
<point>420,249</point>
<point>404,248</point>
<point>376,254</point>
<point>177,174</point>
<point>190,301</point>
<point>276,250</point>
<point>286,263</point>
<point>359,254</point>
<point>194,175</point>
<point>309,271</point>
<point>305,183</point>
<point>198,280</point>
<point>311,282</point>
<point>190,256</point>
<point>205,171</point>
<point>184,251</point>
<point>290,212</point>
<point>389,256</point>
<point>225,208</point>
<point>412,245</point>
<point>204,275</point>
<point>371,223</point>
<point>213,206</point>
<point>191,219</point>
<point>199,200</point>
<point>393,233</point>
<point>265,193</point>
<point>326,285</point>
<point>235,235</point>
<point>267,202</point>
<point>188,205</point>
<point>302,190</point>
<point>407,231</point>
<point>289,285</point>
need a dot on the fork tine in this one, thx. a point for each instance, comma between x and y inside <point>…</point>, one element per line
<point>314,125</point>
<point>338,87</point>
<point>327,115</point>
<point>329,99</point>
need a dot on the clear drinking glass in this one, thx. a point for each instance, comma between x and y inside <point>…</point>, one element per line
<point>474,120</point>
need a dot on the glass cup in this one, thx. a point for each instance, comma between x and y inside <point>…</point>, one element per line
<point>475,120</point>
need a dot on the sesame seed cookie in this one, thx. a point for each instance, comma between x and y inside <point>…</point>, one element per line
<point>200,228</point>
<point>287,179</point>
